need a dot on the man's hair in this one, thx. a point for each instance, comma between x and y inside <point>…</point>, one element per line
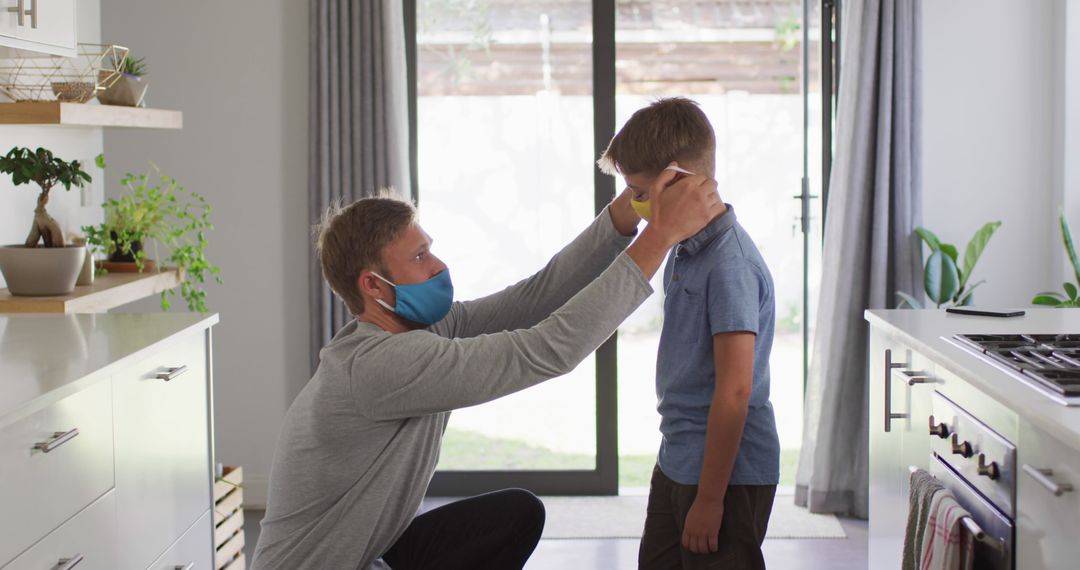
<point>671,129</point>
<point>350,239</point>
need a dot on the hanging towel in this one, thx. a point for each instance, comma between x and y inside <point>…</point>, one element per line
<point>923,488</point>
<point>946,545</point>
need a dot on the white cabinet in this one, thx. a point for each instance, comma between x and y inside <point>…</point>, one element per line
<point>901,384</point>
<point>47,26</point>
<point>127,478</point>
<point>84,542</point>
<point>53,463</point>
<point>163,468</point>
<point>194,550</point>
<point>1048,501</point>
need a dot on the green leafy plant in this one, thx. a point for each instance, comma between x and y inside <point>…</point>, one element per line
<point>132,66</point>
<point>172,217</point>
<point>46,170</point>
<point>945,279</point>
<point>1069,299</point>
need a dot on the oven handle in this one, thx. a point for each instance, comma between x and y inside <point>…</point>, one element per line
<point>973,527</point>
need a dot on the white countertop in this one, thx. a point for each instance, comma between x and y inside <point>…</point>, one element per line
<point>924,330</point>
<point>46,357</point>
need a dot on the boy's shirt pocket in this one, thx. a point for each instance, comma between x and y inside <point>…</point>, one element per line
<point>684,315</point>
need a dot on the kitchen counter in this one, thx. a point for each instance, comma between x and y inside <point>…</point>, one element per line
<point>924,331</point>
<point>44,358</point>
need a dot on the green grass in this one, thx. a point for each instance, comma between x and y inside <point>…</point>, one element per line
<point>466,450</point>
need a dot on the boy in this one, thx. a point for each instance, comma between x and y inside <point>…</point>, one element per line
<point>719,462</point>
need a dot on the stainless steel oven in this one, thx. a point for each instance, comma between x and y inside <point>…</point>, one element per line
<point>979,466</point>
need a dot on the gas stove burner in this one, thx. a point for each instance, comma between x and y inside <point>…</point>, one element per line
<point>1048,362</point>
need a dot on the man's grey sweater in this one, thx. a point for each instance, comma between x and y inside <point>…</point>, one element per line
<point>360,443</point>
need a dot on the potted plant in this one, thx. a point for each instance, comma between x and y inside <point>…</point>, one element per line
<point>945,279</point>
<point>44,264</point>
<point>1069,300</point>
<point>130,89</point>
<point>166,214</point>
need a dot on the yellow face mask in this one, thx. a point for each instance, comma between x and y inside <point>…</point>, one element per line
<point>643,208</point>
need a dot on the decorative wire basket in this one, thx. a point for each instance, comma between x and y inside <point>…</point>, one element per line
<point>67,79</point>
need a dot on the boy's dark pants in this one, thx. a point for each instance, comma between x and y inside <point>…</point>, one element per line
<point>746,516</point>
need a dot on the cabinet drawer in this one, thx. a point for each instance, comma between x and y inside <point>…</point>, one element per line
<point>1047,522</point>
<point>91,535</point>
<point>194,550</point>
<point>42,489</point>
<point>163,475</point>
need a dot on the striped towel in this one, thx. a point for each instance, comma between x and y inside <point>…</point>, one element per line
<point>945,544</point>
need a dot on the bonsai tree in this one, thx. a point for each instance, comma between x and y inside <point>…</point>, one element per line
<point>945,279</point>
<point>1070,299</point>
<point>45,170</point>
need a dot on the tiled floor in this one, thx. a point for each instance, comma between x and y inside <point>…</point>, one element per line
<point>615,554</point>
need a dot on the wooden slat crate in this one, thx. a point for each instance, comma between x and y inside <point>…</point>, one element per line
<point>229,520</point>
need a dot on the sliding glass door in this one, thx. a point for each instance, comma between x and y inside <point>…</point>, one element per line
<point>512,103</point>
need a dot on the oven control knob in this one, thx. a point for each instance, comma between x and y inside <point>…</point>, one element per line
<point>961,449</point>
<point>990,470</point>
<point>941,430</point>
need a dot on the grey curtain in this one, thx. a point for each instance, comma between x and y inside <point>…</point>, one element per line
<point>358,121</point>
<point>875,203</point>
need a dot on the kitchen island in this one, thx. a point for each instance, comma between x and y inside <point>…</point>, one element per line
<point>1008,450</point>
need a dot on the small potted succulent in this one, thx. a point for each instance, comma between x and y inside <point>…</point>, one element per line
<point>130,89</point>
<point>158,213</point>
<point>44,264</point>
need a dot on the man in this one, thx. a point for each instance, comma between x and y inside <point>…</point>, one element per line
<point>360,443</point>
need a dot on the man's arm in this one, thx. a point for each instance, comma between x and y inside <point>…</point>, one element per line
<point>528,302</point>
<point>416,373</point>
<point>733,358</point>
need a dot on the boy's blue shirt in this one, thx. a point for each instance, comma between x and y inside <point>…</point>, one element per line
<point>714,282</point>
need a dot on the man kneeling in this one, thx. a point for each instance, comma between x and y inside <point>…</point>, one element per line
<point>359,445</point>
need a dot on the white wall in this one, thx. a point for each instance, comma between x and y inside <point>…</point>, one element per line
<point>71,209</point>
<point>989,131</point>
<point>238,71</point>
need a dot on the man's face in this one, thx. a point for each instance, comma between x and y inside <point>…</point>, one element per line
<point>409,259</point>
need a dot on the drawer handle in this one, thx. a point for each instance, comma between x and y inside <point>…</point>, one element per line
<point>1043,477</point>
<point>172,373</point>
<point>912,378</point>
<point>21,10</point>
<point>990,470</point>
<point>187,566</point>
<point>59,438</point>
<point>68,563</point>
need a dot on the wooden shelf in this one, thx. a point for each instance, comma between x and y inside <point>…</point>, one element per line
<point>88,115</point>
<point>108,291</point>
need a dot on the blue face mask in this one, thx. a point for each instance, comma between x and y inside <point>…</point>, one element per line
<point>426,303</point>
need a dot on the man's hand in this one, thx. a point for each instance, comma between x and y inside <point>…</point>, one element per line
<point>701,534</point>
<point>682,208</point>
<point>623,216</point>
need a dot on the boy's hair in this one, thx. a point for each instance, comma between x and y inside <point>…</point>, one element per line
<point>351,239</point>
<point>671,129</point>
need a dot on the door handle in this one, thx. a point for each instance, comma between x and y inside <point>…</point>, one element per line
<point>22,12</point>
<point>172,373</point>
<point>68,563</point>
<point>59,438</point>
<point>889,367</point>
<point>1044,478</point>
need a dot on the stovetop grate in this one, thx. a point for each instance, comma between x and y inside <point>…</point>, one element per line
<point>1052,361</point>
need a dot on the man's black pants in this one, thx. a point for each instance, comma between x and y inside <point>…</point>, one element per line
<point>497,530</point>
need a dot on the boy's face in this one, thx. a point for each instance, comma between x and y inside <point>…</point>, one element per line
<point>639,183</point>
